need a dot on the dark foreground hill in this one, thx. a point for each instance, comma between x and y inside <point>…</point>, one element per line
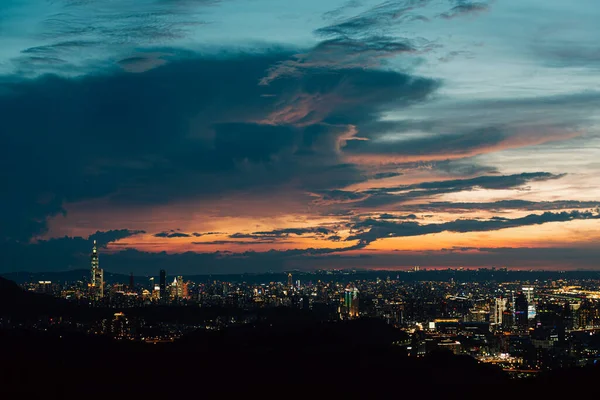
<point>324,359</point>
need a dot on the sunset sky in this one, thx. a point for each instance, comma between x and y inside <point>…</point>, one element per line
<point>207,136</point>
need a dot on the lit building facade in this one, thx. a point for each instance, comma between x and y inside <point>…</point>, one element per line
<point>97,276</point>
<point>350,303</point>
<point>529,292</point>
<point>498,308</point>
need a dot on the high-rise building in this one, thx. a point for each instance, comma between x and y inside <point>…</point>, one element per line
<point>521,310</point>
<point>290,282</point>
<point>164,296</point>
<point>529,292</point>
<point>350,303</point>
<point>97,276</point>
<point>498,308</point>
<point>131,283</point>
<point>178,288</point>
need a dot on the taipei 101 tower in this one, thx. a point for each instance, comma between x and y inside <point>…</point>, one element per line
<point>97,275</point>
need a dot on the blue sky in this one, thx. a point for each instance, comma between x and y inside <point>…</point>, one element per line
<point>448,132</point>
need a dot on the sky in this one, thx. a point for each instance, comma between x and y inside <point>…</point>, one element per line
<point>207,136</point>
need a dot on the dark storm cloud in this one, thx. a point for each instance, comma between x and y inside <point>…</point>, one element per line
<point>371,229</point>
<point>103,135</point>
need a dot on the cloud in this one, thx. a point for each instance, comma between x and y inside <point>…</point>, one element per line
<point>385,196</point>
<point>348,6</point>
<point>239,242</point>
<point>296,231</point>
<point>397,217</point>
<point>103,238</point>
<point>143,62</point>
<point>58,254</point>
<point>465,8</point>
<point>454,146</point>
<point>371,229</point>
<point>224,136</point>
<point>77,32</point>
<point>170,235</point>
<point>112,129</point>
<point>500,205</point>
<point>369,39</point>
<point>345,53</point>
<point>378,17</point>
<point>385,175</point>
<point>272,235</point>
<point>73,253</point>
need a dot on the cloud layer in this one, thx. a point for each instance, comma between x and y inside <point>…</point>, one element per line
<point>215,135</point>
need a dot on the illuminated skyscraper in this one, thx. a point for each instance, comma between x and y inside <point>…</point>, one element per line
<point>499,306</point>
<point>178,283</point>
<point>97,276</point>
<point>290,282</point>
<point>529,292</point>
<point>350,306</point>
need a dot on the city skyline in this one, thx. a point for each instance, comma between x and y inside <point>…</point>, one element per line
<point>205,137</point>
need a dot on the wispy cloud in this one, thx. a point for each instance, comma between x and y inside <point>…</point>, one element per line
<point>372,229</point>
<point>386,196</point>
<point>465,8</point>
<point>82,34</point>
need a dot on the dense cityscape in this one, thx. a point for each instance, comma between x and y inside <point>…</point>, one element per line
<point>523,327</point>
